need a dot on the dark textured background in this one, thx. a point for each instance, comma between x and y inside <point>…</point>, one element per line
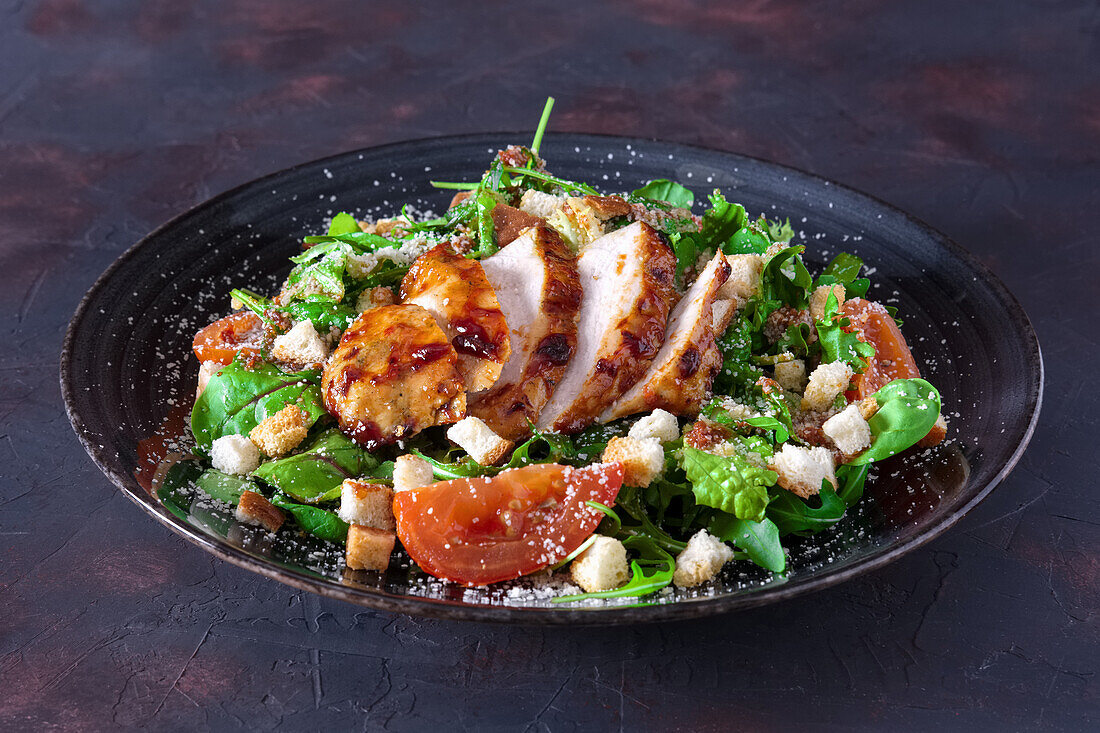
<point>981,118</point>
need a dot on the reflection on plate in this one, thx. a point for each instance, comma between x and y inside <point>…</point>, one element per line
<point>128,376</point>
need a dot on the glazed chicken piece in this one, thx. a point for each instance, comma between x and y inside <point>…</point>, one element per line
<point>456,292</point>
<point>535,279</point>
<point>393,374</point>
<point>680,376</point>
<point>627,280</point>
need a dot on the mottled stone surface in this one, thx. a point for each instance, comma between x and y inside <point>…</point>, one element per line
<point>981,118</point>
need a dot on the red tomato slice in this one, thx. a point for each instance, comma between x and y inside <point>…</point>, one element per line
<point>478,531</point>
<point>892,359</point>
<point>224,338</point>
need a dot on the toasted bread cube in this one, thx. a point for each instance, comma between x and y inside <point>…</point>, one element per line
<point>253,508</point>
<point>411,472</point>
<point>475,437</point>
<point>820,296</point>
<point>801,470</point>
<point>701,560</point>
<point>374,298</point>
<point>791,375</point>
<point>206,370</point>
<point>936,434</point>
<point>661,425</point>
<point>280,433</point>
<point>868,406</point>
<point>643,460</point>
<point>602,566</point>
<point>537,203</point>
<point>370,505</point>
<point>722,313</point>
<point>744,279</point>
<point>300,345</point>
<point>235,454</point>
<point>848,430</point>
<point>369,548</point>
<point>826,382</point>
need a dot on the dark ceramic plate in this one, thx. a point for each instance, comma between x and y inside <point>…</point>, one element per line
<point>128,375</point>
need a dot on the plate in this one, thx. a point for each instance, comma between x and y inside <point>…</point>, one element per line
<point>128,376</point>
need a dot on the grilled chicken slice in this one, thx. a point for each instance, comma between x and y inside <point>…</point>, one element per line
<point>455,291</point>
<point>627,281</point>
<point>393,374</point>
<point>535,278</point>
<point>680,376</point>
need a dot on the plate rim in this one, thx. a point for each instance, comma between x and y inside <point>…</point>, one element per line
<point>379,599</point>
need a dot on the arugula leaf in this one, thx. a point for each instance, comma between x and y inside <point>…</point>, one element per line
<point>844,269</point>
<point>720,222</point>
<point>486,233</point>
<point>314,520</point>
<point>223,486</point>
<point>650,572</point>
<point>343,223</point>
<point>465,468</point>
<point>851,479</point>
<point>238,399</point>
<point>838,344</point>
<point>543,122</point>
<point>759,540</point>
<point>734,484</point>
<point>738,374</point>
<point>315,474</point>
<point>668,191</point>
<point>782,432</point>
<point>908,409</point>
<point>792,514</point>
<point>321,311</point>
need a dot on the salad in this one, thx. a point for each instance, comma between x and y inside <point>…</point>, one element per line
<point>630,390</point>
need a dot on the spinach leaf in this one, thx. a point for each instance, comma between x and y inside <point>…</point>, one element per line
<point>735,485</point>
<point>237,399</point>
<point>665,190</point>
<point>844,269</point>
<point>836,343</point>
<point>343,223</point>
<point>314,520</point>
<point>223,486</point>
<point>908,409</point>
<point>851,479</point>
<point>323,313</point>
<point>792,514</point>
<point>315,474</point>
<point>758,540</point>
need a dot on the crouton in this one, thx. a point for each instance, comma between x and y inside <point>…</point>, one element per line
<point>235,454</point>
<point>936,434</point>
<point>537,203</point>
<point>801,470</point>
<point>300,345</point>
<point>791,375</point>
<point>744,279</point>
<point>661,425</point>
<point>411,472</point>
<point>280,433</point>
<point>722,313</point>
<point>848,430</point>
<point>701,560</point>
<point>643,460</point>
<point>206,370</point>
<point>370,505</point>
<point>602,566</point>
<point>478,439</point>
<point>253,508</point>
<point>868,406</point>
<point>826,382</point>
<point>369,548</point>
<point>820,296</point>
<point>374,298</point>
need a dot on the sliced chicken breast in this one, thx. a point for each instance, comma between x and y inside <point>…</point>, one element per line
<point>680,376</point>
<point>536,283</point>
<point>393,374</point>
<point>455,290</point>
<point>627,278</point>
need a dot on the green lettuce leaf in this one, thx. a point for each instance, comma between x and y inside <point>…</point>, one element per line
<point>735,485</point>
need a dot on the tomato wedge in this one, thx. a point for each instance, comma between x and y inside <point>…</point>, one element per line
<point>892,359</point>
<point>224,338</point>
<point>477,531</point>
